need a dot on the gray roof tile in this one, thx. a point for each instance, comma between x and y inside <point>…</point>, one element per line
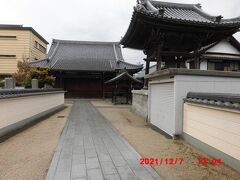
<point>124,75</point>
<point>85,56</point>
<point>42,62</point>
<point>222,100</point>
<point>188,13</point>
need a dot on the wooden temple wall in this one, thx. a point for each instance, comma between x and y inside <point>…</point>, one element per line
<point>88,85</point>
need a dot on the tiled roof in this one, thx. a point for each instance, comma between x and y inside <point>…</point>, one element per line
<point>182,13</point>
<point>123,75</point>
<point>42,63</point>
<point>226,49</point>
<point>230,101</point>
<point>142,74</point>
<point>86,56</point>
<point>221,57</point>
<point>125,65</point>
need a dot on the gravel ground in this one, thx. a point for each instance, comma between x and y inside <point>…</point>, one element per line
<point>151,144</point>
<point>27,155</point>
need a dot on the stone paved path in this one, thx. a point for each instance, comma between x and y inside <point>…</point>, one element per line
<point>90,148</point>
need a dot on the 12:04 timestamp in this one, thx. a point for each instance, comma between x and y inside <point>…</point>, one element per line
<point>160,161</point>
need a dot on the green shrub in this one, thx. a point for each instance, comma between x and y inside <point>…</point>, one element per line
<point>1,83</point>
<point>26,73</point>
<point>43,76</point>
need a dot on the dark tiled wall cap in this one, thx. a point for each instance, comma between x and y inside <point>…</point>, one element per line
<point>230,101</point>
<point>192,72</point>
<point>13,93</point>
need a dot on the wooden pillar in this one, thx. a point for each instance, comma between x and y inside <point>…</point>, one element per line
<point>103,93</point>
<point>196,61</point>
<point>159,58</point>
<point>178,61</point>
<point>146,73</point>
<point>61,80</point>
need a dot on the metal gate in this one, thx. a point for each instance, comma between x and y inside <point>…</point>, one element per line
<point>161,107</point>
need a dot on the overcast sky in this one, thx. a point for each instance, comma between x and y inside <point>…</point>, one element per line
<point>94,20</point>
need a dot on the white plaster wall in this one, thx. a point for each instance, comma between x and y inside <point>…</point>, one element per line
<point>204,65</point>
<point>224,47</point>
<point>219,128</point>
<point>209,84</point>
<point>13,110</point>
<point>184,84</point>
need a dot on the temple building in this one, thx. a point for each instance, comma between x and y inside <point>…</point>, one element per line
<point>219,56</point>
<point>83,67</point>
<point>194,53</point>
<point>172,33</point>
<point>123,94</point>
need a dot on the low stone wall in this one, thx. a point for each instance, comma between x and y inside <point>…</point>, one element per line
<point>21,107</point>
<point>140,103</point>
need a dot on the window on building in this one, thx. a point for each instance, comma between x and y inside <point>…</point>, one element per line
<point>231,66</point>
<point>211,65</point>
<point>4,56</point>
<point>219,66</point>
<point>40,47</point>
<point>36,44</point>
<point>8,37</point>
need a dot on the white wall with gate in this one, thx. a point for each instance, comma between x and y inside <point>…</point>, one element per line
<point>168,88</point>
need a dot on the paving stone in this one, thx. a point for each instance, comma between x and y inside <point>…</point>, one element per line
<point>90,153</point>
<point>67,154</point>
<point>118,161</point>
<point>78,159</point>
<point>112,177</point>
<point>82,178</point>
<point>79,170</point>
<point>62,176</point>
<point>90,148</point>
<point>92,163</point>
<point>108,168</point>
<point>64,165</point>
<point>52,168</point>
<point>125,173</point>
<point>95,174</point>
<point>78,149</point>
<point>104,157</point>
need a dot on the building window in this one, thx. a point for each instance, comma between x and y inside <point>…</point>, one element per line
<point>3,56</point>
<point>211,66</point>
<point>8,37</point>
<point>40,47</point>
<point>219,66</point>
<point>36,44</point>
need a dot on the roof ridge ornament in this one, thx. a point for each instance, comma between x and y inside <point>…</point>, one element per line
<point>161,11</point>
<point>199,6</point>
<point>148,5</point>
<point>218,18</point>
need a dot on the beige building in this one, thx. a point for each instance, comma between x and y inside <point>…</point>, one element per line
<point>18,43</point>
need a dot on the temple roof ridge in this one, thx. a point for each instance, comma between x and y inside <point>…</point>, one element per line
<point>180,11</point>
